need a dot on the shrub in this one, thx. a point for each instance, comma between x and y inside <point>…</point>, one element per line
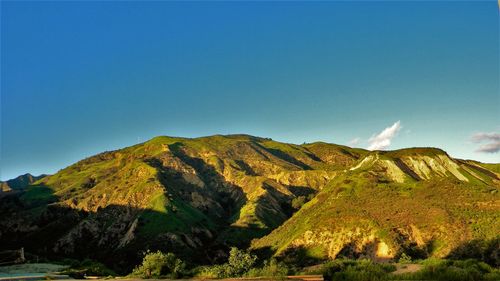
<point>159,264</point>
<point>364,270</point>
<point>484,250</point>
<point>214,271</point>
<point>87,267</point>
<point>331,267</point>
<point>96,268</point>
<point>239,263</point>
<point>444,270</point>
<point>404,259</point>
<point>492,276</point>
<point>298,202</point>
<point>359,270</point>
<point>271,268</point>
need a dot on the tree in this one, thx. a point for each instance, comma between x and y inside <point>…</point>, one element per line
<point>159,264</point>
<point>240,261</point>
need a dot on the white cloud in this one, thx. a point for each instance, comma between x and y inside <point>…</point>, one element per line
<point>354,141</point>
<point>383,139</point>
<point>491,142</point>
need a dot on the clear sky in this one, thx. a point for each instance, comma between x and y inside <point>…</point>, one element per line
<point>79,78</point>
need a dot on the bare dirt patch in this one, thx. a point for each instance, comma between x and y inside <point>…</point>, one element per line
<point>407,268</point>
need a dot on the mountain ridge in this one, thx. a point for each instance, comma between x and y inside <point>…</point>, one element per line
<point>188,195</point>
<point>19,182</point>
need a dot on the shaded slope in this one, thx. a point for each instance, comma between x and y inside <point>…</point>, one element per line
<point>19,182</point>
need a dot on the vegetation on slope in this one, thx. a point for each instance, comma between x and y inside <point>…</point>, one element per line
<point>199,197</point>
<point>382,207</point>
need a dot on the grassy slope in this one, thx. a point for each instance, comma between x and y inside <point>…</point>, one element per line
<point>240,187</point>
<point>155,181</point>
<point>491,166</point>
<point>442,212</point>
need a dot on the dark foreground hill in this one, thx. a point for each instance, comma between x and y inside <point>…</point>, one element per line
<point>197,197</point>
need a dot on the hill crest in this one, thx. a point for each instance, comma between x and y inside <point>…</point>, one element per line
<point>205,194</point>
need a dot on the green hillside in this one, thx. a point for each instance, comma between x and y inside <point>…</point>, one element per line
<point>197,197</point>
<point>414,201</point>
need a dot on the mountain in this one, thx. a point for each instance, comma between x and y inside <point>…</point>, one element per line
<point>417,201</point>
<point>19,182</point>
<point>196,197</point>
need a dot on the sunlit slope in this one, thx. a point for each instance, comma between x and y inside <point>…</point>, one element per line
<point>417,201</point>
<point>176,192</point>
<point>198,196</point>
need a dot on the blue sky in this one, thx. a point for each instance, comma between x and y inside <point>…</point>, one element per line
<point>79,78</point>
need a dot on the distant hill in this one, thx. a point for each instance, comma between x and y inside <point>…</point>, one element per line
<point>196,197</point>
<point>19,182</point>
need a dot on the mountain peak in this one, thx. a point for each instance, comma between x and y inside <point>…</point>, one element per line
<point>20,182</point>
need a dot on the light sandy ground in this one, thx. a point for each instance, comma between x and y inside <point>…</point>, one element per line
<point>407,268</point>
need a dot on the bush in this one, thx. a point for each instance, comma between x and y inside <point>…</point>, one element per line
<point>239,263</point>
<point>483,250</point>
<point>87,267</point>
<point>159,264</point>
<point>96,268</point>
<point>433,269</point>
<point>329,268</point>
<point>298,202</point>
<point>363,270</point>
<point>272,268</point>
<point>359,270</point>
<point>444,270</point>
<point>404,259</point>
<point>214,271</point>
